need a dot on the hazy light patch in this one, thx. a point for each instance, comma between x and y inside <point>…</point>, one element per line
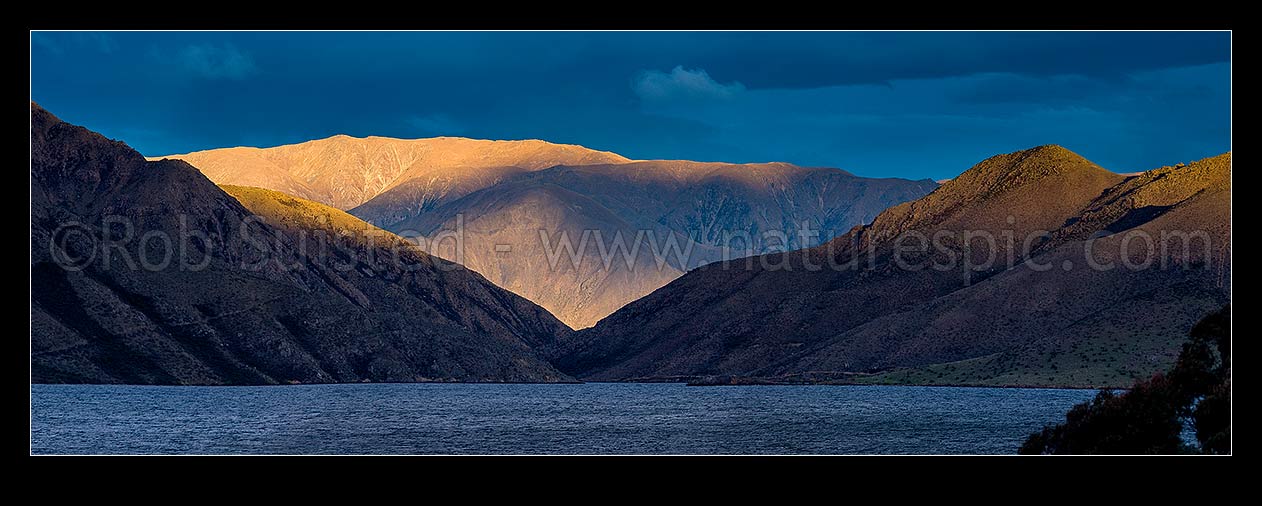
<point>58,43</point>
<point>217,62</point>
<point>102,42</point>
<point>47,43</point>
<point>682,83</point>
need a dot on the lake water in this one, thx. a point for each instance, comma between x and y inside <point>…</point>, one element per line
<point>594,418</point>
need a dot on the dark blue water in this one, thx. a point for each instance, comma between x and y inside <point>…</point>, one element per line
<point>598,418</point>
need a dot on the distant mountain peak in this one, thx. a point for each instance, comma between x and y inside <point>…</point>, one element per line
<point>441,139</point>
<point>346,171</point>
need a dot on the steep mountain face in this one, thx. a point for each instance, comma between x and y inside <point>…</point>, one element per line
<point>928,282</point>
<point>633,227</point>
<point>146,272</point>
<point>501,194</point>
<point>576,271</point>
<point>345,172</point>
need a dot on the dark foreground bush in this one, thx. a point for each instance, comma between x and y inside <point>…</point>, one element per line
<point>1147,419</point>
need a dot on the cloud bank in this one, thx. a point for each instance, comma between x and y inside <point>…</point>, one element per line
<point>901,104</point>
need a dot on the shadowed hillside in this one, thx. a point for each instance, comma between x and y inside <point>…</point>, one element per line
<point>243,294</point>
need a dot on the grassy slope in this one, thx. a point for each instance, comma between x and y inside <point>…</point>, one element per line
<point>285,211</point>
<point>1105,352</point>
<point>1130,340</point>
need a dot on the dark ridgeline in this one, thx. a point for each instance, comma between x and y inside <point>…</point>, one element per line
<point>773,319</point>
<point>422,319</point>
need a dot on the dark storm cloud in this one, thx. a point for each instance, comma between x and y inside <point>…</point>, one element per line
<point>810,60</point>
<point>880,103</point>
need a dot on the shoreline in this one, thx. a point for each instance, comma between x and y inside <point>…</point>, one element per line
<point>684,383</point>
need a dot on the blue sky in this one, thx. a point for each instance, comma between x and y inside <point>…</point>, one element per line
<point>886,104</point>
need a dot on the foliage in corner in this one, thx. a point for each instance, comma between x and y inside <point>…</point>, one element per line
<point>1147,419</point>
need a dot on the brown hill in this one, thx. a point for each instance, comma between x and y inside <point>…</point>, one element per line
<point>1037,189</point>
<point>1084,327</point>
<point>237,298</point>
<point>894,306</point>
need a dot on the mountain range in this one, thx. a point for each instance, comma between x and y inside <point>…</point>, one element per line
<point>516,205</point>
<point>879,308</point>
<point>1033,268</point>
<point>147,272</point>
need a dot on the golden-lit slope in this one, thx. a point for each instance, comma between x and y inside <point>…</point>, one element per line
<point>1034,189</point>
<point>287,212</point>
<point>507,191</point>
<point>344,171</point>
<point>1150,194</point>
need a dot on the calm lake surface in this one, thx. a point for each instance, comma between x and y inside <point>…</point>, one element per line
<point>595,418</point>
